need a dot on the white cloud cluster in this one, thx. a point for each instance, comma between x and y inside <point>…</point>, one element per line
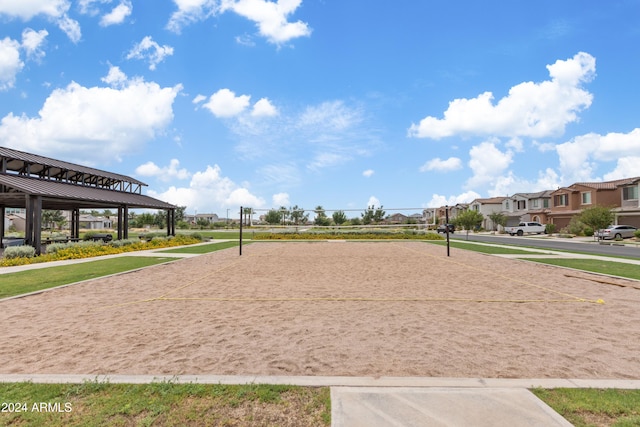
<point>92,124</point>
<point>11,62</point>
<point>271,17</point>
<point>208,190</point>
<point>166,173</point>
<point>368,173</point>
<point>580,156</point>
<point>439,200</point>
<point>54,10</point>
<point>150,51</point>
<point>487,163</point>
<point>225,104</point>
<point>529,110</point>
<point>280,199</point>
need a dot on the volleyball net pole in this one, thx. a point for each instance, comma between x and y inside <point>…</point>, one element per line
<point>240,245</point>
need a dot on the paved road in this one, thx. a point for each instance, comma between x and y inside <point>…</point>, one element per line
<point>557,244</point>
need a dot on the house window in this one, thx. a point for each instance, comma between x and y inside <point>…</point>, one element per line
<point>506,204</point>
<point>545,203</point>
<point>561,200</point>
<point>586,198</point>
<point>476,208</point>
<point>521,205</point>
<point>630,193</point>
<point>535,203</point>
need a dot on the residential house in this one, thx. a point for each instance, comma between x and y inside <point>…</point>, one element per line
<point>453,211</point>
<point>629,211</point>
<point>208,217</point>
<point>527,207</point>
<point>90,222</point>
<point>486,207</point>
<point>396,218</point>
<point>572,200</point>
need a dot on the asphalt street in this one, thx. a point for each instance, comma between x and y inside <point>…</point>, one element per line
<point>590,247</point>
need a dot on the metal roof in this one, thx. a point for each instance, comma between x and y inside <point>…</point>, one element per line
<point>59,195</point>
<point>16,160</point>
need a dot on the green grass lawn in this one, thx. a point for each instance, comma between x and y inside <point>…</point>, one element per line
<point>631,271</point>
<point>166,404</point>
<point>594,407</point>
<point>482,248</point>
<point>44,278</point>
<point>201,249</point>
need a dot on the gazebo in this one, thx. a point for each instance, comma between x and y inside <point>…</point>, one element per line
<point>34,183</point>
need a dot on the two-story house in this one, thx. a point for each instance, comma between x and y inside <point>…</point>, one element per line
<point>486,207</point>
<point>629,211</point>
<point>527,207</point>
<point>572,200</point>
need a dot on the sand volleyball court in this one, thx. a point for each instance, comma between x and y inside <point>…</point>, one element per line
<point>332,308</point>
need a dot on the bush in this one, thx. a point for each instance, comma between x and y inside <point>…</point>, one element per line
<point>637,234</point>
<point>19,252</point>
<point>550,228</point>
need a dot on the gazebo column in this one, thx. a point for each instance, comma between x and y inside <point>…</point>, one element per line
<point>120,213</point>
<point>171,222</point>
<point>2,214</point>
<point>125,225</point>
<point>28,220</point>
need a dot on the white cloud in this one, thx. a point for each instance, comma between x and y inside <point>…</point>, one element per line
<point>280,199</point>
<point>190,11</point>
<point>209,191</point>
<point>32,42</point>
<point>93,124</point>
<point>70,27</point>
<point>373,201</point>
<point>198,99</point>
<point>580,156</point>
<point>166,173</point>
<point>626,167</point>
<point>225,103</point>
<point>115,77</point>
<point>530,109</point>
<point>325,159</point>
<point>264,108</point>
<point>54,10</point>
<point>438,200</point>
<point>10,62</point>
<point>487,163</point>
<point>439,165</point>
<point>118,14</point>
<point>27,9</point>
<point>150,51</point>
<point>270,17</point>
<point>368,173</point>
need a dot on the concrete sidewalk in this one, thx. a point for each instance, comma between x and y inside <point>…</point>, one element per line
<point>396,401</point>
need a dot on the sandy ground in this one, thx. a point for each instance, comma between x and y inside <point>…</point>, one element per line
<point>332,308</point>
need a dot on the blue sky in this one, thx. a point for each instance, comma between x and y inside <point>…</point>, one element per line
<point>222,103</point>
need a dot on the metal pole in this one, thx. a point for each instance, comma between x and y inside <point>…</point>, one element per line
<point>240,230</point>
<point>446,225</point>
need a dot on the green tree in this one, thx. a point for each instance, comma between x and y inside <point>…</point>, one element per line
<point>284,214</point>
<point>273,217</point>
<point>180,210</point>
<point>298,216</point>
<point>53,218</point>
<point>498,219</point>
<point>597,217</point>
<point>321,217</point>
<point>339,217</point>
<point>372,215</point>
<point>145,218</point>
<point>469,220</point>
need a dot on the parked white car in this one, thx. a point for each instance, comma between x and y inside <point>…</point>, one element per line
<point>617,232</point>
<point>525,228</point>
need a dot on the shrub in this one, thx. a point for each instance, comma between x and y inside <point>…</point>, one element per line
<point>550,228</point>
<point>19,252</point>
<point>637,234</point>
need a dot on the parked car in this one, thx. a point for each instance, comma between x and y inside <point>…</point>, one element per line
<point>442,228</point>
<point>525,228</point>
<point>617,232</point>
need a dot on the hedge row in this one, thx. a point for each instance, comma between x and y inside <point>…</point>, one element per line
<point>19,255</point>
